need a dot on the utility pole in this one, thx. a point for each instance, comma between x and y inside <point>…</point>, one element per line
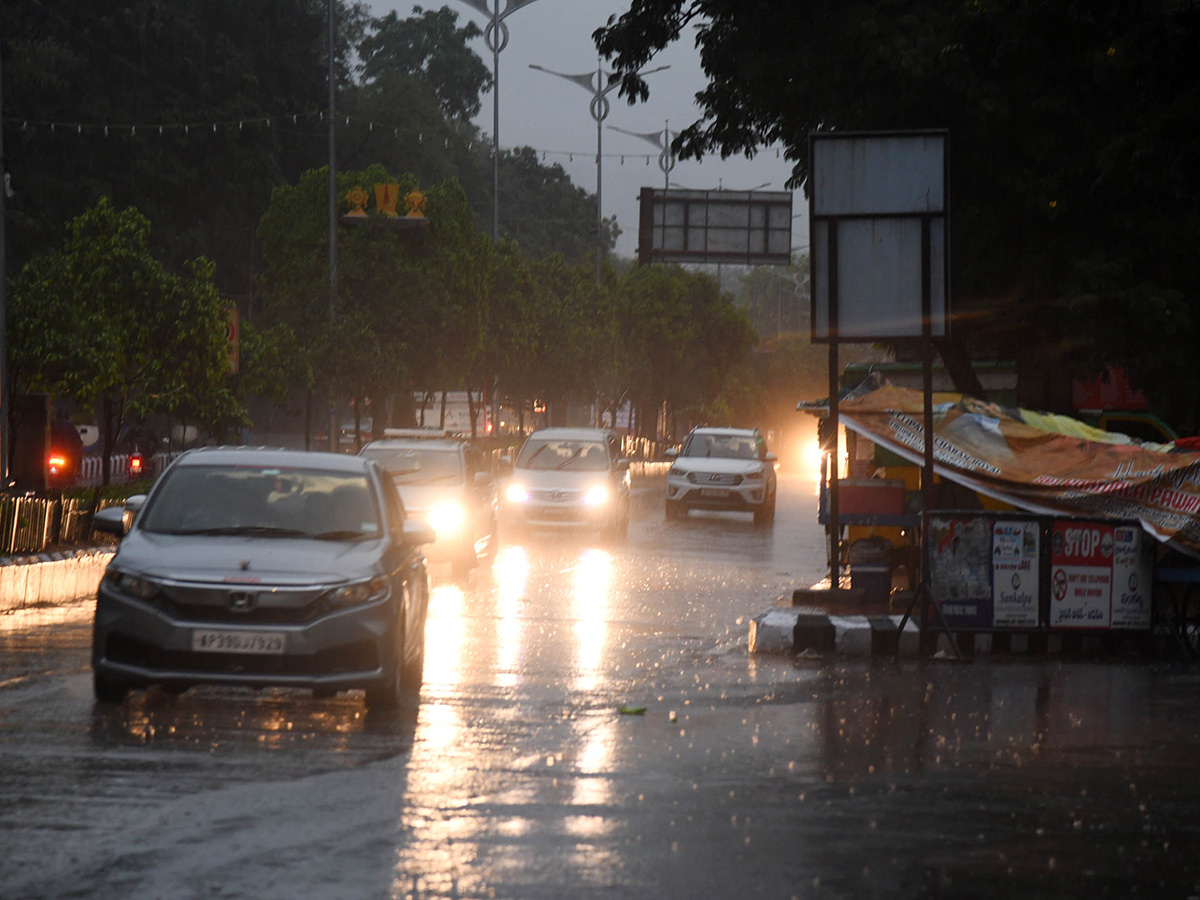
<point>496,35</point>
<point>333,284</point>
<point>661,140</point>
<point>597,84</point>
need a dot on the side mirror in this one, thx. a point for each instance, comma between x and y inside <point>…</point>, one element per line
<point>482,479</point>
<point>671,452</point>
<point>622,466</point>
<point>417,533</point>
<point>504,465</point>
<point>771,457</point>
<point>110,520</point>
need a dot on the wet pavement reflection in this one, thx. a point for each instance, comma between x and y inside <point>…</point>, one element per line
<point>591,724</point>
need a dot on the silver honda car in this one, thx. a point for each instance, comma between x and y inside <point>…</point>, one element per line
<point>262,567</point>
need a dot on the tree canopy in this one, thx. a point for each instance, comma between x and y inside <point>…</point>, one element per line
<point>1073,194</point>
<point>101,321</point>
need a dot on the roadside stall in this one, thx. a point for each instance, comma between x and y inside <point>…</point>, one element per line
<point>1043,523</point>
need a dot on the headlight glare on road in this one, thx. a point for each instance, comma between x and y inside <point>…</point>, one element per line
<point>516,493</point>
<point>596,495</point>
<point>360,592</point>
<point>447,518</point>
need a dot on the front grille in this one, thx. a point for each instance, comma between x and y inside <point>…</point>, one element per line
<point>361,656</point>
<point>714,480</point>
<point>226,615</point>
<point>196,603</point>
<point>555,496</point>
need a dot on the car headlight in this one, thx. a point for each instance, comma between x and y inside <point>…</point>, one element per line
<point>360,592</point>
<point>516,493</point>
<point>596,495</point>
<point>756,475</point>
<point>447,517</point>
<point>133,585</point>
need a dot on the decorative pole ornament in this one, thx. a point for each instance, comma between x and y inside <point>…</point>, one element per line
<point>386,196</point>
<point>414,203</point>
<point>357,198</point>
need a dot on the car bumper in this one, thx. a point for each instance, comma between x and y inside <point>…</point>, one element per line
<point>564,516</point>
<point>141,644</point>
<point>744,497</point>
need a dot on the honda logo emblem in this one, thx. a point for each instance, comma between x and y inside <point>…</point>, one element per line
<point>241,601</point>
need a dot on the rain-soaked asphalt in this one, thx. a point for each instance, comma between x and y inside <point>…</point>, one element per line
<point>517,775</point>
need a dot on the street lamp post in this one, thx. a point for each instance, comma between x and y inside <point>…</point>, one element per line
<point>496,34</point>
<point>661,140</point>
<point>597,84</point>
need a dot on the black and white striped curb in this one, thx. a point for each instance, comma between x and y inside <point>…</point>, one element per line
<point>787,630</point>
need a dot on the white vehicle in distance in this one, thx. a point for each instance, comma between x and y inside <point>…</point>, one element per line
<point>722,469</point>
<point>444,481</point>
<point>569,478</point>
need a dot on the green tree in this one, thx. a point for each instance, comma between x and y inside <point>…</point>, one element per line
<point>679,338</point>
<point>1072,197</point>
<point>103,323</point>
<point>196,63</point>
<point>548,214</point>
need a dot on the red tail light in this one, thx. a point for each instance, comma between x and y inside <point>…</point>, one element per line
<point>135,463</point>
<point>56,462</point>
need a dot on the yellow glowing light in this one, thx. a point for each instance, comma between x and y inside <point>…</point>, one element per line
<point>447,518</point>
<point>597,495</point>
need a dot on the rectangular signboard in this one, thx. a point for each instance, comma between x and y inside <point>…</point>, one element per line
<point>736,227</point>
<point>1100,575</point>
<point>879,236</point>
<point>985,570</point>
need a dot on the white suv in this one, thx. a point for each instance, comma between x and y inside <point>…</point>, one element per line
<point>724,469</point>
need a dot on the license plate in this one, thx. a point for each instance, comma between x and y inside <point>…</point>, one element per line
<point>714,493</point>
<point>270,643</point>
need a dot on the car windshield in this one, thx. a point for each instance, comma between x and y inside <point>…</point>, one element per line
<point>722,446</point>
<point>263,501</point>
<point>419,465</point>
<point>561,453</point>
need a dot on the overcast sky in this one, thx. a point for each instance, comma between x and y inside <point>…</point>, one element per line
<point>551,114</point>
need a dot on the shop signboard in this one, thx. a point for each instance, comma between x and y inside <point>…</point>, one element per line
<point>985,570</point>
<point>1100,575</point>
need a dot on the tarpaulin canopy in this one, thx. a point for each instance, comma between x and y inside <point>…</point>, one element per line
<point>1036,461</point>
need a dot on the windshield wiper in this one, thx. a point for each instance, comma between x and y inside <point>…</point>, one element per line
<point>340,535</point>
<point>570,459</point>
<point>246,530</point>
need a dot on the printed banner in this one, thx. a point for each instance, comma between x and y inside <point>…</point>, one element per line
<point>1037,462</point>
<point>984,570</point>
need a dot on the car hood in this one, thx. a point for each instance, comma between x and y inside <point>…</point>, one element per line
<point>564,479</point>
<point>252,560</point>
<point>419,497</point>
<point>718,465</point>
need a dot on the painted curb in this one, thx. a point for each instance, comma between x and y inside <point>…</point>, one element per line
<point>799,631</point>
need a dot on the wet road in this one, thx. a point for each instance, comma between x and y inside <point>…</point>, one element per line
<point>517,775</point>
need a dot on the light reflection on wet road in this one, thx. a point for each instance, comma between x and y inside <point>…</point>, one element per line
<point>517,776</point>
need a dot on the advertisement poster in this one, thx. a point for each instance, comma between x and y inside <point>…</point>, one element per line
<point>1015,573</point>
<point>1081,574</point>
<point>1133,572</point>
<point>961,569</point>
<point>985,571</point>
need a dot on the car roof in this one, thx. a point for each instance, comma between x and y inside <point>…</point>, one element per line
<point>712,429</point>
<point>573,434</point>
<point>277,456</point>
<point>441,442</point>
